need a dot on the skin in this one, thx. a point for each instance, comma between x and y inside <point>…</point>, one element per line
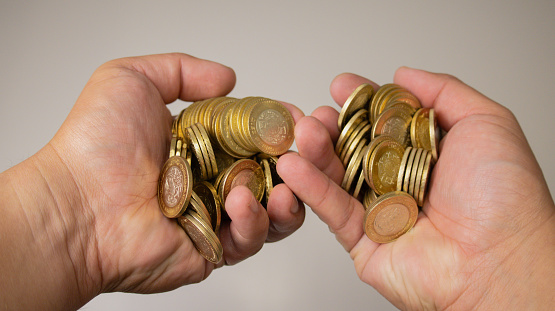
<point>81,216</point>
<point>485,238</point>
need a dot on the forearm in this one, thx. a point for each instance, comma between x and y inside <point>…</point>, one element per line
<point>45,252</point>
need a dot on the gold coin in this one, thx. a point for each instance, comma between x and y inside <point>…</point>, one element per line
<point>408,169</point>
<point>272,162</point>
<point>175,187</point>
<point>226,133</point>
<point>198,206</point>
<point>174,125</point>
<point>394,122</point>
<point>223,160</point>
<point>426,171</point>
<point>376,100</point>
<point>244,172</point>
<point>390,216</point>
<point>369,197</point>
<point>209,196</point>
<point>402,105</point>
<point>384,102</point>
<point>357,140</point>
<point>271,127</point>
<point>435,134</point>
<point>414,170</point>
<point>422,130</point>
<point>178,147</point>
<point>347,131</point>
<point>267,178</point>
<point>402,169</point>
<point>196,148</point>
<point>366,160</point>
<point>354,166</point>
<point>353,141</point>
<point>172,145</point>
<point>408,98</point>
<point>237,119</point>
<point>385,163</point>
<point>419,170</point>
<point>360,185</point>
<point>203,238</point>
<point>180,125</point>
<point>204,149</point>
<point>359,99</point>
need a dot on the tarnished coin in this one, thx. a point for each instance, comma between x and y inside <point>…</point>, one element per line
<point>390,216</point>
<point>359,99</point>
<point>175,187</point>
<point>209,196</point>
<point>385,163</point>
<point>271,127</point>
<point>244,172</point>
<point>203,238</point>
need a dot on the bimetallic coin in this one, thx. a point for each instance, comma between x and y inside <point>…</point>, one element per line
<point>390,216</point>
<point>385,163</point>
<point>359,99</point>
<point>203,238</point>
<point>175,187</point>
<point>244,172</point>
<point>271,127</point>
<point>366,160</point>
<point>394,122</point>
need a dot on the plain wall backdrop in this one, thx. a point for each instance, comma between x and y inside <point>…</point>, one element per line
<point>286,50</point>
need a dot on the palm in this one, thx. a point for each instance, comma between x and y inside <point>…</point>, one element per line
<point>120,152</point>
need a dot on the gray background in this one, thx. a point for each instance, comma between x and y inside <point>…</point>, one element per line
<point>287,50</point>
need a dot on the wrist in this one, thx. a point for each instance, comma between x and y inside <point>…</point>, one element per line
<point>52,236</point>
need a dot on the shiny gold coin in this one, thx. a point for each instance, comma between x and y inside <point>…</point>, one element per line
<point>402,169</point>
<point>227,136</point>
<point>244,172</point>
<point>204,148</point>
<point>175,187</point>
<point>414,170</point>
<point>408,98</point>
<point>426,155</point>
<point>384,102</point>
<point>426,172</point>
<point>394,122</point>
<point>180,125</point>
<point>377,99</point>
<point>359,99</point>
<point>402,105</point>
<point>198,152</point>
<point>408,169</point>
<point>178,147</point>
<point>354,167</point>
<point>174,125</point>
<point>172,145</point>
<point>358,134</point>
<point>435,134</point>
<point>267,178</point>
<point>209,196</point>
<point>360,186</point>
<point>271,127</point>
<point>203,238</point>
<point>210,149</point>
<point>384,166</point>
<point>390,216</point>
<point>366,160</point>
<point>198,206</point>
<point>369,197</point>
<point>347,131</point>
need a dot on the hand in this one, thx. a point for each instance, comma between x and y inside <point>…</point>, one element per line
<point>485,236</point>
<point>102,168</point>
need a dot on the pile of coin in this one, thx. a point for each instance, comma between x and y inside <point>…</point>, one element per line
<point>218,144</point>
<point>388,145</point>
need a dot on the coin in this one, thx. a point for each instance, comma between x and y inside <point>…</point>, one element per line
<point>354,166</point>
<point>271,127</point>
<point>175,187</point>
<point>198,152</point>
<point>414,170</point>
<point>394,122</point>
<point>178,147</point>
<point>172,145</point>
<point>244,172</point>
<point>385,163</point>
<point>408,170</point>
<point>198,206</point>
<point>418,180</point>
<point>209,196</point>
<point>267,178</point>
<point>359,133</point>
<point>366,160</point>
<point>203,238</point>
<point>426,171</point>
<point>360,185</point>
<point>359,99</point>
<point>402,169</point>
<point>390,216</point>
<point>347,131</point>
<point>435,134</point>
<point>369,197</point>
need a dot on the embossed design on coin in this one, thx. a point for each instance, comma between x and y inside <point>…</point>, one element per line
<point>271,126</point>
<point>391,219</point>
<point>173,186</point>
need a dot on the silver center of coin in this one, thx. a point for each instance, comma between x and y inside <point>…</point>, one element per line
<point>271,127</point>
<point>173,186</point>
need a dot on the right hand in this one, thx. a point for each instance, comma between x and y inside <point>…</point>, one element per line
<point>485,236</point>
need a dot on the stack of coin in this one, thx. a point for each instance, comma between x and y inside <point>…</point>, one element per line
<point>243,127</point>
<point>380,137</point>
<point>211,140</point>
